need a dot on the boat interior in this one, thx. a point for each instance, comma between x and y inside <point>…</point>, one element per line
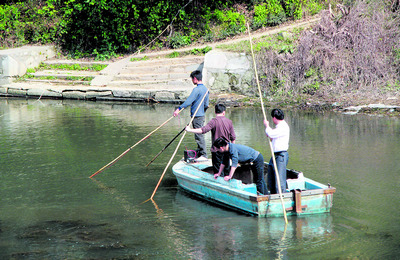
<point>244,173</point>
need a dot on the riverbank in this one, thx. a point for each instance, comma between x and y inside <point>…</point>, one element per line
<point>152,77</point>
<point>382,107</point>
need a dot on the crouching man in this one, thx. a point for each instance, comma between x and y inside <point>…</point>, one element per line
<point>242,154</point>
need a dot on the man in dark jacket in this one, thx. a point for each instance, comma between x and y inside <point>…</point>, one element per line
<point>219,126</point>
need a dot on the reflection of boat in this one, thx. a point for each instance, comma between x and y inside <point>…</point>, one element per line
<point>317,227</point>
<point>304,196</point>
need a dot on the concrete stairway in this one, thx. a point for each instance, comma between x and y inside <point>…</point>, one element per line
<point>159,79</point>
<point>167,74</point>
<point>155,79</point>
<point>65,77</point>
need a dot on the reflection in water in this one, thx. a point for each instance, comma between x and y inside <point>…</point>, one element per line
<point>49,208</point>
<point>302,227</point>
<point>317,228</point>
<point>215,240</point>
<point>230,233</point>
<point>172,233</point>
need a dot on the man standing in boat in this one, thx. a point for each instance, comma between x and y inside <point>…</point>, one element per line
<point>242,154</point>
<point>280,143</point>
<point>194,100</point>
<point>220,126</point>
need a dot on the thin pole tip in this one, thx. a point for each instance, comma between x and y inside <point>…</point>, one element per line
<point>94,174</point>
<point>145,201</point>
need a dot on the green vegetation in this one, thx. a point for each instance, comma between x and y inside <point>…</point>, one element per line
<point>283,42</point>
<point>103,29</point>
<point>67,67</point>
<point>139,59</point>
<point>74,66</point>
<point>351,52</point>
<point>346,53</point>
<point>268,14</point>
<point>194,51</point>
<point>79,78</point>
<point>293,8</point>
<point>82,79</point>
<point>229,22</point>
<point>27,22</point>
<point>179,40</point>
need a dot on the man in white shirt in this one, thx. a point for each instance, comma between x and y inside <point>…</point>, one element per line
<point>280,143</point>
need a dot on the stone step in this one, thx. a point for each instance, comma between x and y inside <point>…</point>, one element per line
<point>59,82</point>
<point>64,73</point>
<point>139,85</point>
<point>152,77</point>
<point>70,62</point>
<point>187,69</point>
<point>155,82</point>
<point>169,61</point>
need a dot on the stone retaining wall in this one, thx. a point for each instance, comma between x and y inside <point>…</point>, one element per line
<point>15,62</point>
<point>223,72</point>
<point>92,93</point>
<point>227,72</point>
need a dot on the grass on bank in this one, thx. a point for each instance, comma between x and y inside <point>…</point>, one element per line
<point>73,67</point>
<point>179,54</point>
<point>64,67</point>
<point>282,42</point>
<point>73,79</point>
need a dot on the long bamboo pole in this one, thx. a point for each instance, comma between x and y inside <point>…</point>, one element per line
<point>165,147</point>
<point>265,118</point>
<point>130,148</point>
<point>177,147</point>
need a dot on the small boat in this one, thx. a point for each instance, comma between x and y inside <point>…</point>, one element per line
<point>303,195</point>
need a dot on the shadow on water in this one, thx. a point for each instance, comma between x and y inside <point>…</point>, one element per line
<point>42,238</point>
<point>71,239</point>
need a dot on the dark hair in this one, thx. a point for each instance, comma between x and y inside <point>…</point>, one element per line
<point>196,74</point>
<point>220,142</point>
<point>219,108</point>
<point>277,113</point>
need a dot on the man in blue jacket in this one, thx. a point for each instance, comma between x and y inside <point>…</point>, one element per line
<point>195,100</point>
<point>242,154</point>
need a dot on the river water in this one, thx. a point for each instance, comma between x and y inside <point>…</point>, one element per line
<point>51,209</point>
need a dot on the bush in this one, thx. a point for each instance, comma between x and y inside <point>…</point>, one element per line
<point>101,31</point>
<point>293,9</point>
<point>312,7</point>
<point>270,13</point>
<point>352,52</point>
<point>229,23</point>
<point>28,22</point>
<point>12,30</point>
<point>105,28</point>
<point>179,40</point>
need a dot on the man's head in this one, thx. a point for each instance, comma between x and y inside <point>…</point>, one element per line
<point>220,108</point>
<point>277,113</point>
<point>196,76</point>
<point>221,144</point>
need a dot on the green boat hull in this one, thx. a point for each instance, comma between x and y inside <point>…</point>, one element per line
<point>304,196</point>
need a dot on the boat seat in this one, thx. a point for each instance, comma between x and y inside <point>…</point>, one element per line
<point>296,184</point>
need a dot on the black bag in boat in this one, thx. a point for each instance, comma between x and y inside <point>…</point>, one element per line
<point>189,156</point>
